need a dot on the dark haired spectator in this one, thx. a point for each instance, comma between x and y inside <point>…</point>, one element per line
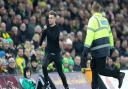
<point>23,33</point>
<point>34,64</point>
<point>27,82</point>
<point>77,61</point>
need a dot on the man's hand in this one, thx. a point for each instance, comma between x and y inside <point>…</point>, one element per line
<point>84,59</point>
<point>83,64</point>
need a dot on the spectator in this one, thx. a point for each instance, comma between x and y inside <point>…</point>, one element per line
<point>28,45</point>
<point>117,63</point>
<point>7,47</point>
<point>77,66</point>
<point>27,82</point>
<point>23,33</point>
<point>38,29</point>
<point>124,62</point>
<point>34,65</point>
<point>71,65</point>
<point>27,57</point>
<point>124,48</point>
<point>20,60</point>
<point>68,45</point>
<point>68,62</point>
<point>31,27</point>
<point>39,56</point>
<point>113,64</point>
<point>110,64</point>
<point>35,40</point>
<point>115,55</point>
<point>21,10</point>
<point>65,65</point>
<point>78,44</point>
<point>15,35</point>
<point>42,21</point>
<point>3,66</point>
<point>118,45</point>
<point>17,20</point>
<point>11,68</point>
<point>4,34</point>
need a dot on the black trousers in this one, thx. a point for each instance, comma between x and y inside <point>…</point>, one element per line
<point>56,58</point>
<point>98,66</point>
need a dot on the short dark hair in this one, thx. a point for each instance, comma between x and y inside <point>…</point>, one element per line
<point>26,69</point>
<point>52,13</point>
<point>96,6</point>
<point>20,48</point>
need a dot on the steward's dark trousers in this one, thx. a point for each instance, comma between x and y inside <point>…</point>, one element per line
<point>98,66</point>
<point>56,58</point>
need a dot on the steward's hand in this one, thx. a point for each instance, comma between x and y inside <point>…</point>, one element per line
<point>83,70</point>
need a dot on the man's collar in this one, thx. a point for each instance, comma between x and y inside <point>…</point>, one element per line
<point>97,14</point>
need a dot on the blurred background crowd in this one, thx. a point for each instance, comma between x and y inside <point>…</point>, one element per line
<point>22,21</point>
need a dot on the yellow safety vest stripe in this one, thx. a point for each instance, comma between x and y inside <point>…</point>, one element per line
<point>100,46</point>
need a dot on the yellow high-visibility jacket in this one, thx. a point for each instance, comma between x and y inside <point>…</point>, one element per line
<point>99,36</point>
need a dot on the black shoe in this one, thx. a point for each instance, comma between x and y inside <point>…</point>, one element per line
<point>96,88</point>
<point>120,79</point>
<point>47,85</point>
<point>67,88</point>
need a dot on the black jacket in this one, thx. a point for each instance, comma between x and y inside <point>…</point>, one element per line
<point>52,34</point>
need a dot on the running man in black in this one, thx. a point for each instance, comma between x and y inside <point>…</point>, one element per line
<point>52,50</point>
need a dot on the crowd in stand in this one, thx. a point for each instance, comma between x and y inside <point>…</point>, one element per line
<point>22,21</point>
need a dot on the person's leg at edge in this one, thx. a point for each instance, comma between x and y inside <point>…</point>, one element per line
<point>101,68</point>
